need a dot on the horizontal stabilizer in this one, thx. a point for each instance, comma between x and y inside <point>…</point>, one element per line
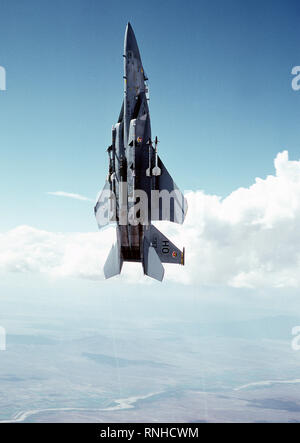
<point>151,262</point>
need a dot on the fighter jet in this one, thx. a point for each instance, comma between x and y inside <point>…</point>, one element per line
<point>138,190</point>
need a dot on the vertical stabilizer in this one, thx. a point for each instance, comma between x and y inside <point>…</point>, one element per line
<point>151,262</point>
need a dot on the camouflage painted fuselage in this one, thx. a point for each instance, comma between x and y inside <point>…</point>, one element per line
<point>134,167</point>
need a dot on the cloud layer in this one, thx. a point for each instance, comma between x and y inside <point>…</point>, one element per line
<point>249,239</point>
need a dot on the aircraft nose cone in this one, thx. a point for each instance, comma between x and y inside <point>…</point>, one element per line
<point>130,43</point>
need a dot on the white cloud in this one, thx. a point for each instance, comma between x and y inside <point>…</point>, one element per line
<point>78,254</point>
<point>69,195</point>
<point>249,239</point>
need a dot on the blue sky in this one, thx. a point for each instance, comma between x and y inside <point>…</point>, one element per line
<point>222,105</point>
<point>220,84</point>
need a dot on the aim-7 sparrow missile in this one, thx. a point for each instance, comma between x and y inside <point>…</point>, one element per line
<point>138,190</point>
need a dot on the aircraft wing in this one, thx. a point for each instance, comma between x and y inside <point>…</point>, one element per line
<point>177,209</point>
<point>105,207</point>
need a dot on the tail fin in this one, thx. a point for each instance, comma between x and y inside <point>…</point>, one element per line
<point>159,249</point>
<point>151,262</point>
<point>114,261</point>
<point>165,249</point>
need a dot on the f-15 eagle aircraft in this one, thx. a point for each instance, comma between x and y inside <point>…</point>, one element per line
<point>138,189</point>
